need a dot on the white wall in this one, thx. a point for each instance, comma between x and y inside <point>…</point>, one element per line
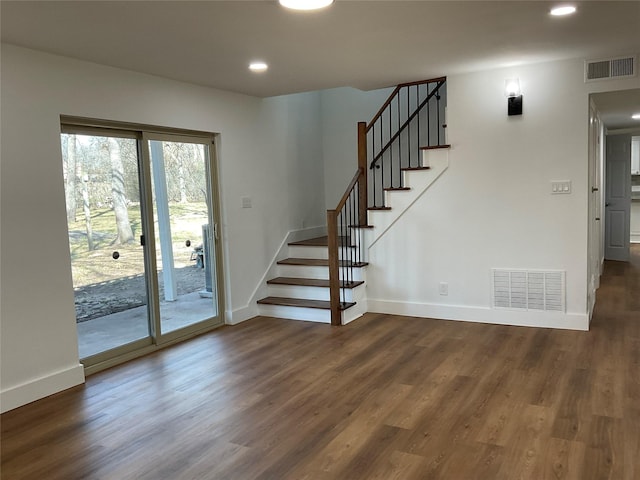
<point>269,150</point>
<point>342,109</point>
<point>493,207</point>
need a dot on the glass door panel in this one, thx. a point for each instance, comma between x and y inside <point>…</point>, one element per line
<point>183,233</point>
<point>102,193</point>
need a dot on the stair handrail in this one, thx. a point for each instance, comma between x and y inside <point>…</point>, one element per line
<point>349,189</point>
<point>392,140</point>
<point>395,92</point>
<point>441,81</point>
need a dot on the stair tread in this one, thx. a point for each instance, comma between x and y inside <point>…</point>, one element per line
<point>379,208</point>
<point>302,302</point>
<point>312,242</point>
<point>360,226</point>
<point>435,147</point>
<point>319,262</point>
<point>318,242</point>
<point>309,282</point>
<point>396,189</point>
<point>415,168</point>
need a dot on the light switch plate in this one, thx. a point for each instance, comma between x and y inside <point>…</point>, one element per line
<point>562,187</point>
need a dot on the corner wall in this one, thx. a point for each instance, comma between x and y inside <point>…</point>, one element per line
<point>268,150</point>
<point>342,109</point>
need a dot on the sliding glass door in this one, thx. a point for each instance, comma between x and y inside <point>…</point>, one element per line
<point>185,227</point>
<point>104,219</point>
<point>143,230</point>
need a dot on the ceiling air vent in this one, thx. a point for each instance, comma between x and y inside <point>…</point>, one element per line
<point>619,67</point>
<point>529,290</point>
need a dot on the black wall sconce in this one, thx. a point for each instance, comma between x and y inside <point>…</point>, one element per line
<point>514,96</point>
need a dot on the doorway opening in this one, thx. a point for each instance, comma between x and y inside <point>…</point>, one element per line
<point>614,202</point>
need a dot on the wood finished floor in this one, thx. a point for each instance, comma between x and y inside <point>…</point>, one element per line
<point>383,398</point>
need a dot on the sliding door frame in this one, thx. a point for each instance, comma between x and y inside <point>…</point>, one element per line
<point>142,134</point>
<point>213,211</point>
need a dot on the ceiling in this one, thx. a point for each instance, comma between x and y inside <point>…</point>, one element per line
<point>617,107</point>
<point>363,44</point>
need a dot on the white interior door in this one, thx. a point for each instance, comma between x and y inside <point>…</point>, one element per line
<point>618,198</point>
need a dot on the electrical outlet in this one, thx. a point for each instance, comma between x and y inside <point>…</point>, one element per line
<point>444,288</point>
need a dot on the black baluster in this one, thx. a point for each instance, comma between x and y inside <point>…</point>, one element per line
<point>428,119</point>
<point>390,152</point>
<point>399,141</point>
<point>347,248</point>
<point>348,240</point>
<point>438,113</point>
<point>373,175</point>
<point>418,100</point>
<point>340,256</point>
<point>410,163</point>
<point>381,159</point>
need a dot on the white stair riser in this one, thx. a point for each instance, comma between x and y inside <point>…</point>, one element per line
<point>350,314</point>
<point>321,252</point>
<point>306,271</point>
<point>354,274</point>
<point>303,271</point>
<point>308,252</point>
<point>309,293</point>
<point>296,313</point>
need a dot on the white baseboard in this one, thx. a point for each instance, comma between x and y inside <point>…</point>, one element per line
<point>567,321</point>
<point>239,315</point>
<point>33,390</point>
<point>355,312</point>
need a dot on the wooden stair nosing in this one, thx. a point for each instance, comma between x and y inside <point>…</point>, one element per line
<point>360,226</point>
<point>311,242</point>
<point>310,282</point>
<point>301,302</point>
<point>396,189</point>
<point>320,242</point>
<point>379,208</point>
<point>435,147</point>
<point>411,169</point>
<point>319,262</point>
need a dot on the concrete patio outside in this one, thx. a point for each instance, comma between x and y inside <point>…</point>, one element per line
<point>117,329</point>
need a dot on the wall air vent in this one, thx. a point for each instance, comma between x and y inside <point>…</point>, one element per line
<point>529,290</point>
<point>618,67</point>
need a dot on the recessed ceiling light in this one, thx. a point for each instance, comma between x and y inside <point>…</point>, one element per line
<point>258,67</point>
<point>636,116</point>
<point>563,10</point>
<point>305,4</point>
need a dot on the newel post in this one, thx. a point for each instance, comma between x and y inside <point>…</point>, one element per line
<point>334,267</point>
<point>362,181</point>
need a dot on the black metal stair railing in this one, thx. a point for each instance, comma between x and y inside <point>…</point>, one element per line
<point>345,247</point>
<point>410,120</point>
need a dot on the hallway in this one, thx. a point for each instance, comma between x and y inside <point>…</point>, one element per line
<point>618,298</point>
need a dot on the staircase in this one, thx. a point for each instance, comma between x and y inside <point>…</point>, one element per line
<point>301,289</point>
<point>323,278</point>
